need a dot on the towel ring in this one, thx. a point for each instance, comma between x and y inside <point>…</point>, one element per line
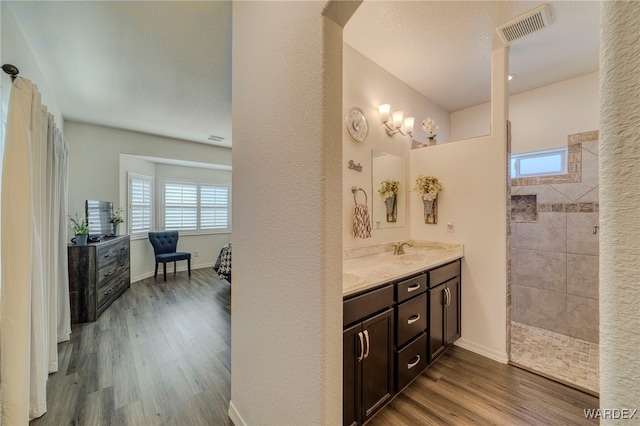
<point>355,190</point>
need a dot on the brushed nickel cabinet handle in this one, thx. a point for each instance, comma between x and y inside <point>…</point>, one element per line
<point>413,287</point>
<point>448,296</point>
<point>410,365</point>
<point>366,337</point>
<point>109,273</point>
<point>413,319</point>
<point>361,356</point>
<point>108,292</point>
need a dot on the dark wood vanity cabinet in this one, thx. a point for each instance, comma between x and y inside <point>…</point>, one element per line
<point>411,324</point>
<point>367,355</point>
<point>392,333</point>
<point>444,308</point>
<point>98,274</point>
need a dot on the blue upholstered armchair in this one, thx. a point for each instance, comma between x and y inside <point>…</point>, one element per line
<point>164,246</point>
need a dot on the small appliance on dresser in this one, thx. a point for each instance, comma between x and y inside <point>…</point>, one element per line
<point>98,274</point>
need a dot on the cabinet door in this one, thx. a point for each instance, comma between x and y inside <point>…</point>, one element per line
<point>351,389</point>
<point>437,298</point>
<point>378,363</point>
<point>452,311</point>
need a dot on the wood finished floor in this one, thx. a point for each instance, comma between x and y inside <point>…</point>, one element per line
<point>463,388</point>
<point>160,355</point>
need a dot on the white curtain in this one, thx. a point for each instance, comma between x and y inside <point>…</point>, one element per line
<point>34,314</point>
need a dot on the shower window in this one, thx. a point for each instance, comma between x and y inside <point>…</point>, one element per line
<point>539,163</point>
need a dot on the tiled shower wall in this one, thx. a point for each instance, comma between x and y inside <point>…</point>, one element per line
<point>554,250</point>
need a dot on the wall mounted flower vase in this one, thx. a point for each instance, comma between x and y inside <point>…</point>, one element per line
<point>430,201</point>
<point>391,204</point>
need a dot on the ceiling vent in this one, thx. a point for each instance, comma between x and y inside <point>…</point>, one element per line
<point>527,23</point>
<point>215,138</point>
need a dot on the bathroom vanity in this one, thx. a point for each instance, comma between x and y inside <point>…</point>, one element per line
<point>401,312</point>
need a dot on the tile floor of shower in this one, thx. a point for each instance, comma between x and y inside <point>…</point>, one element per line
<point>564,358</point>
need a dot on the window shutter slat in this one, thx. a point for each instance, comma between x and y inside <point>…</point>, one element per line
<point>192,206</point>
<point>140,194</point>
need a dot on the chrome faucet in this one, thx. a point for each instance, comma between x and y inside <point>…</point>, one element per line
<point>399,248</point>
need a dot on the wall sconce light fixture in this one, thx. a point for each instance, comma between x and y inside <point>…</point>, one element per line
<point>395,125</point>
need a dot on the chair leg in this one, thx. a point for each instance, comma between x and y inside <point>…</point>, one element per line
<point>189,265</point>
<point>164,269</point>
<point>174,267</point>
<point>155,274</point>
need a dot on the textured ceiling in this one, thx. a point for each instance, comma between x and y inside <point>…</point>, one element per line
<point>156,67</point>
<point>165,67</point>
<point>443,48</point>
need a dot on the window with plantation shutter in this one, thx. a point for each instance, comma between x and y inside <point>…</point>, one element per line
<point>214,207</point>
<point>197,207</point>
<point>140,203</point>
<point>180,206</point>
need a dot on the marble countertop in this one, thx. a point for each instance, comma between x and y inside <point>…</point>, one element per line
<point>362,273</point>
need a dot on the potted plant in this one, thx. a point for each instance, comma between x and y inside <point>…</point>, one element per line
<point>80,229</point>
<point>389,193</point>
<point>118,218</point>
<point>429,125</point>
<point>428,188</point>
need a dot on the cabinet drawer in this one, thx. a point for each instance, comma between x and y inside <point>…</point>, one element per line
<point>444,273</point>
<point>411,287</point>
<point>111,289</point>
<point>411,361</point>
<point>108,272</point>
<point>411,319</point>
<point>360,307</point>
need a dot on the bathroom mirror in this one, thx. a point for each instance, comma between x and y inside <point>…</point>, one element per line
<point>389,213</point>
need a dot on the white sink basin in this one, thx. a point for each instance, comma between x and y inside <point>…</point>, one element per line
<point>413,257</point>
<point>349,279</point>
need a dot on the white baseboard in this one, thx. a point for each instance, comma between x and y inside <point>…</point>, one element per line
<point>235,417</point>
<point>170,270</point>
<point>484,351</point>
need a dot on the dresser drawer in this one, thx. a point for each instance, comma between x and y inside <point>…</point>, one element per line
<point>411,319</point>
<point>112,270</point>
<point>111,289</point>
<point>359,307</point>
<point>444,273</point>
<point>411,361</point>
<point>411,287</point>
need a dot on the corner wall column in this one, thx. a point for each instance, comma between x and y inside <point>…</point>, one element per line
<point>619,206</point>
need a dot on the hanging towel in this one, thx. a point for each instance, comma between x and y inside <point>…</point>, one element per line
<point>361,222</point>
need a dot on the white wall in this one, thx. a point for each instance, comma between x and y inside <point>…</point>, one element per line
<point>474,197</point>
<point>366,85</point>
<point>95,172</point>
<point>619,213</point>
<point>541,118</point>
<point>16,51</point>
<point>286,297</point>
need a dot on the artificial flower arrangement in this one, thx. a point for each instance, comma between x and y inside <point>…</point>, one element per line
<point>427,186</point>
<point>118,216</point>
<point>388,188</point>
<point>429,125</point>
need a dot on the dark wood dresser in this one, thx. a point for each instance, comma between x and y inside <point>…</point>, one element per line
<point>98,274</point>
